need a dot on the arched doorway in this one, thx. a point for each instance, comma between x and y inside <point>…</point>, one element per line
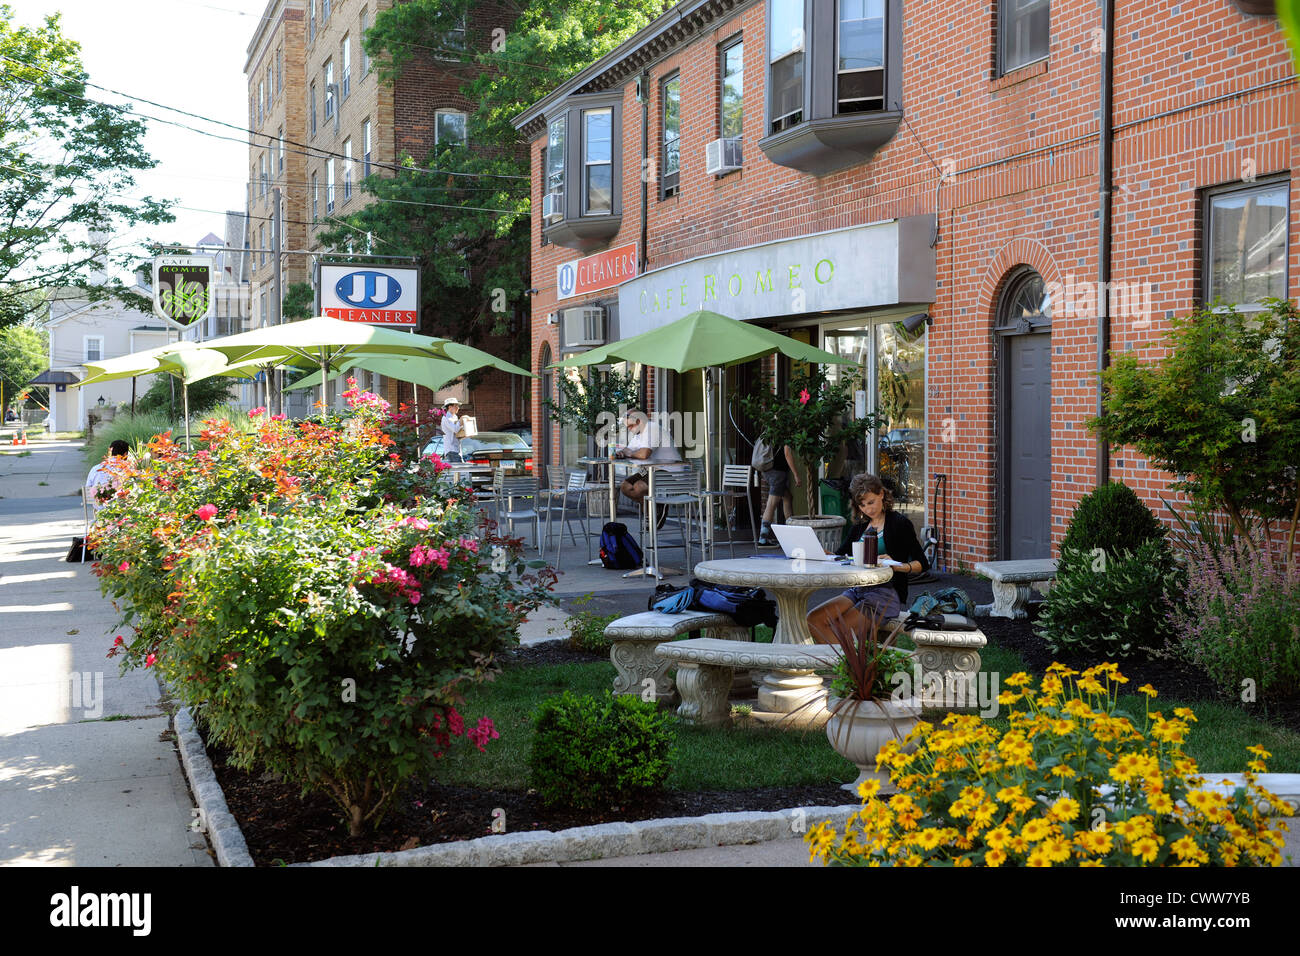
<point>1024,417</point>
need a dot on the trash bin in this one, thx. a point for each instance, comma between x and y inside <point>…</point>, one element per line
<point>835,497</point>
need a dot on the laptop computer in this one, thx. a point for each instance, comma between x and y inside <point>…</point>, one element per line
<point>799,542</point>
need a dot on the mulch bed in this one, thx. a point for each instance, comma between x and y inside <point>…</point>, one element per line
<point>281,826</point>
<point>1174,679</point>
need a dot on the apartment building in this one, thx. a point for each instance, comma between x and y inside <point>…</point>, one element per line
<point>920,187</point>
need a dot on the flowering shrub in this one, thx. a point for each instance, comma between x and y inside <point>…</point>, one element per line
<point>1240,618</point>
<point>1033,796</point>
<point>318,595</point>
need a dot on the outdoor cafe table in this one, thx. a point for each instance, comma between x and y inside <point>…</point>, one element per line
<point>791,583</point>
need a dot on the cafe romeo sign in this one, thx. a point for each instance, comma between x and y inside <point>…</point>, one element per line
<point>881,264</point>
<point>183,288</point>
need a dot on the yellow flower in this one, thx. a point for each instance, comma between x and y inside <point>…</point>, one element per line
<point>1066,808</point>
<point>1035,830</point>
<point>1185,713</point>
<point>1187,849</point>
<point>867,789</point>
<point>1018,679</point>
<point>1057,849</point>
<point>1039,857</point>
<point>994,857</point>
<point>1007,794</point>
<point>1260,752</point>
<point>1062,727</point>
<point>1061,770</point>
<point>1160,802</point>
<point>1146,848</point>
<point>927,839</point>
<point>1094,841</point>
<point>1051,687</point>
<point>1148,690</point>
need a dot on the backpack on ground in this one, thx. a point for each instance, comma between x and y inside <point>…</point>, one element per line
<point>944,601</point>
<point>763,458</point>
<point>669,599</point>
<point>749,606</point>
<point>618,549</point>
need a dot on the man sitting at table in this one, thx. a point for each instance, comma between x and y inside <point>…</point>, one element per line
<point>646,441</point>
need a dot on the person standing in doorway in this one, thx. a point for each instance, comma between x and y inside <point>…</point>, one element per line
<point>452,431</point>
<point>778,490</point>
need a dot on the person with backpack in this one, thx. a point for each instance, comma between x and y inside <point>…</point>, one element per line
<point>873,507</point>
<point>778,491</point>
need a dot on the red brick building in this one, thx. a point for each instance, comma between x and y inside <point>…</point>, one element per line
<point>881,161</point>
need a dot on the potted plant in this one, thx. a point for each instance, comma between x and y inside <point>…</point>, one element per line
<point>866,712</point>
<point>814,418</point>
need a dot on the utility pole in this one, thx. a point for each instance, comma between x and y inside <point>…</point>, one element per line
<point>277,288</point>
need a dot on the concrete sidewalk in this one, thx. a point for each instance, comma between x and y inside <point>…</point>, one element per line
<point>88,774</point>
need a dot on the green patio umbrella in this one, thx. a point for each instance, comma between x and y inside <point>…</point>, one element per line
<point>185,360</point>
<point>323,342</point>
<point>432,373</point>
<point>701,340</point>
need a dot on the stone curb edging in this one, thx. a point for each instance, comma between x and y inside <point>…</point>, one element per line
<point>607,840</point>
<point>220,824</point>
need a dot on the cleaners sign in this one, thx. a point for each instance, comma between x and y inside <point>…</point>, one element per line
<point>377,295</point>
<point>601,271</point>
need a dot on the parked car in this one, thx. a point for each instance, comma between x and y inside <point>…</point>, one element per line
<point>523,429</point>
<point>481,448</point>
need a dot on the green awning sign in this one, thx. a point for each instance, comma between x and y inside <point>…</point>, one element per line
<point>183,288</point>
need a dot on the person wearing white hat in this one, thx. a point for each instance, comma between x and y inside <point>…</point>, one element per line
<point>452,430</point>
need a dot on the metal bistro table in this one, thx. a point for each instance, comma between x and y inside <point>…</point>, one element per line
<point>634,465</point>
<point>791,583</point>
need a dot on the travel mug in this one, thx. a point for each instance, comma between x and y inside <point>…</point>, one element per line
<point>859,553</point>
<point>869,544</point>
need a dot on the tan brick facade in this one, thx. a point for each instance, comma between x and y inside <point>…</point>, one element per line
<point>1203,96</point>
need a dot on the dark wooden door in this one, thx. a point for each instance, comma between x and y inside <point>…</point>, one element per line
<point>1027,452</point>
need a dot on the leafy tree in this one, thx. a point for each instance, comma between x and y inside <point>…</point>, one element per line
<point>472,242</point>
<point>164,394</point>
<point>592,405</point>
<point>23,355</point>
<point>1219,411</point>
<point>67,161</point>
<point>298,301</point>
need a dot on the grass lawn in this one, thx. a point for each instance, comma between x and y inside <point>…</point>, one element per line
<point>740,757</point>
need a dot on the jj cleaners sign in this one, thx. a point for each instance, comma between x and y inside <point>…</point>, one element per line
<point>378,295</point>
<point>183,287</point>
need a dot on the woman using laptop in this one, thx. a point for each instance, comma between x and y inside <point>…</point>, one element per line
<point>873,507</point>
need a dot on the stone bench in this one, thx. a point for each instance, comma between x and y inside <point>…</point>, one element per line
<point>948,664</point>
<point>705,667</point>
<point>633,640</point>
<point>1011,583</point>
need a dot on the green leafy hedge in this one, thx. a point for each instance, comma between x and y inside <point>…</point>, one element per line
<point>599,752</point>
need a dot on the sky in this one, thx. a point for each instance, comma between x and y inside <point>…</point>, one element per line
<point>183,53</point>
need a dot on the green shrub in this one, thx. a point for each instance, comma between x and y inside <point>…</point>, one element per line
<point>135,430</point>
<point>1115,605</point>
<point>1112,518</point>
<point>165,396</point>
<point>587,629</point>
<point>599,752</point>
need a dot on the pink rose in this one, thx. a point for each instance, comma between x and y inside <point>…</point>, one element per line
<point>124,566</point>
<point>150,660</point>
<point>206,512</point>
<point>255,412</point>
<point>804,397</point>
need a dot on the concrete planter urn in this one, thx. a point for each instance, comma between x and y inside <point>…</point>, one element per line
<point>857,729</point>
<point>828,528</point>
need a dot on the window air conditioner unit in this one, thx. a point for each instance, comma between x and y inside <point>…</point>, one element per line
<point>552,205</point>
<point>583,327</point>
<point>722,156</point>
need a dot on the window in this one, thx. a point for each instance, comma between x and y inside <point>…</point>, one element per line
<point>860,58</point>
<point>1246,243</point>
<point>315,197</point>
<point>261,174</point>
<point>94,347</point>
<point>311,20</point>
<point>261,245</point>
<point>449,128</point>
<point>834,73</point>
<point>329,185</point>
<point>785,59</point>
<point>365,148</point>
<point>453,41</point>
<point>346,65</point>
<point>281,135</point>
<point>731,103</point>
<point>279,69</point>
<point>365,57</point>
<point>324,10</point>
<point>252,113</point>
<point>329,88</point>
<point>555,163</point>
<point>671,100</point>
<point>312,107</point>
<point>261,102</point>
<point>347,169</point>
<point>1023,33</point>
<point>270,90</point>
<point>597,174</point>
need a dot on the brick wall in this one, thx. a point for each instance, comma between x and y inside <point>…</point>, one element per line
<point>1004,206</point>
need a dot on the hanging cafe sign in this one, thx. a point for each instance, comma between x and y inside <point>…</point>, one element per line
<point>183,287</point>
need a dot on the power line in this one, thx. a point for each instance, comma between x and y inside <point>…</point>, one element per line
<point>313,152</point>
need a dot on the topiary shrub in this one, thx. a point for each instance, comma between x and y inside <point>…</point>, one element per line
<point>594,753</point>
<point>1116,606</point>
<point>1112,518</point>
